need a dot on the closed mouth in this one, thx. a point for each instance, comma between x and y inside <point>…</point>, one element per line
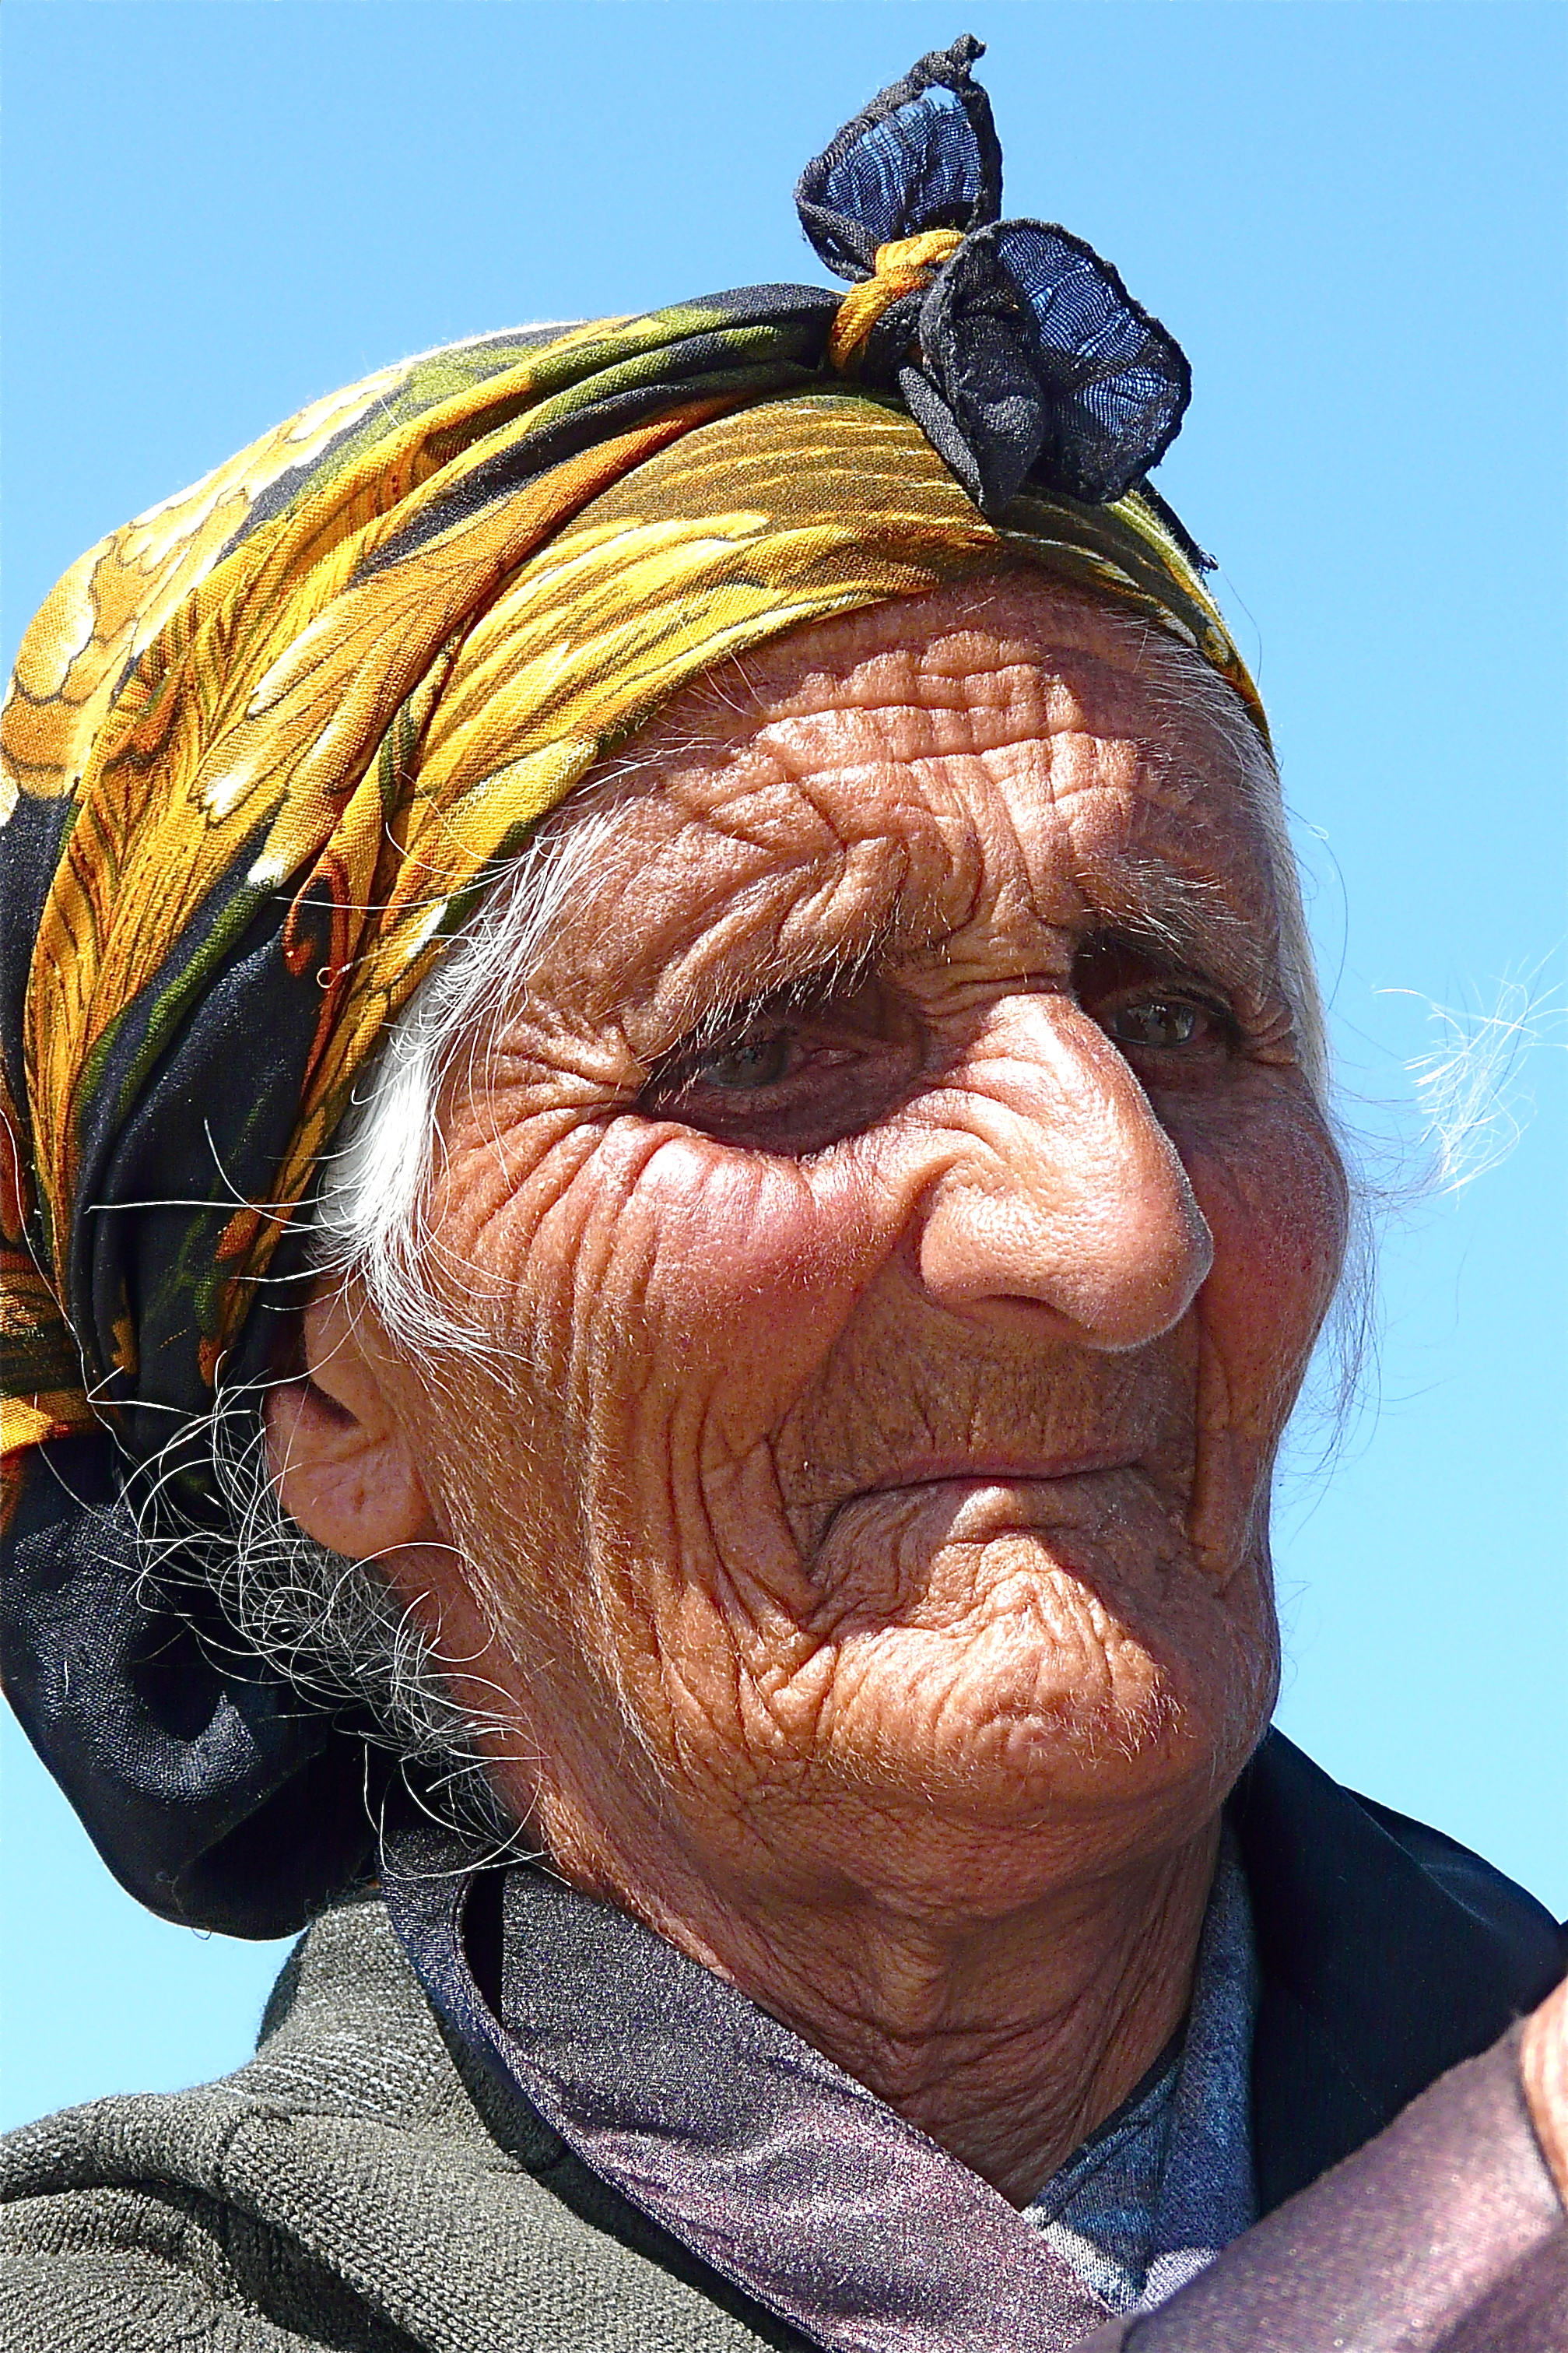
<point>997,1472</point>
<point>959,1475</point>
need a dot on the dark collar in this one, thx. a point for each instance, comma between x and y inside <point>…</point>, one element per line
<point>780,2173</point>
<point>1388,1952</point>
<point>733,2152</point>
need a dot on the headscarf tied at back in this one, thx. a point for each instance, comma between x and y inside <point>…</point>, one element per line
<point>266,745</point>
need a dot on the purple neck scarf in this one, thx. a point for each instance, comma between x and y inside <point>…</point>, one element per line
<point>782,2173</point>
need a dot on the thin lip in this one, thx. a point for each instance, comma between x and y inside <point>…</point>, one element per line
<point>996,1471</point>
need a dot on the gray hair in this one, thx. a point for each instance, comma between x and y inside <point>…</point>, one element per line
<point>333,1625</point>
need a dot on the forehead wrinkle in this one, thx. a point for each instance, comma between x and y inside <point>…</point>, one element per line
<point>860,822</point>
<point>1204,893</point>
<point>992,708</point>
<point>815,917</point>
<point>843,902</point>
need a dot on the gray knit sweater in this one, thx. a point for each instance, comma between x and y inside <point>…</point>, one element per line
<point>356,2184</point>
<point>340,2190</point>
<point>356,2188</point>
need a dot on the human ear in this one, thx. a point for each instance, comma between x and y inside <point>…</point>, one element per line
<point>335,1446</point>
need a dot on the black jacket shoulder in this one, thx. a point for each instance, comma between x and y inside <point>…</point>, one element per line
<point>1389,1953</point>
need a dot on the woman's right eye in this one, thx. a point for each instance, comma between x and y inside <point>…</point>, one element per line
<point>752,1062</point>
<point>792,1078</point>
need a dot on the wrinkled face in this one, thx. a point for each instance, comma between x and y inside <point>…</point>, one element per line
<point>905,1219</point>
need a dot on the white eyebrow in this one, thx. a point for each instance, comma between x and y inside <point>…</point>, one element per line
<point>1179,917</point>
<point>1183,916</point>
<point>720,1002</point>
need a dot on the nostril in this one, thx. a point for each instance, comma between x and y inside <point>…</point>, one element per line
<point>1053,1186</point>
<point>1121,1277</point>
<point>1109,1241</point>
<point>1126,1297</point>
<point>1129,1275</point>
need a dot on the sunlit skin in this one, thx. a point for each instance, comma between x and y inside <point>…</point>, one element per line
<point>904,1217</point>
<point>1543,2065</point>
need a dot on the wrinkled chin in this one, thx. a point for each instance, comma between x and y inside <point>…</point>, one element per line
<point>1008,1650</point>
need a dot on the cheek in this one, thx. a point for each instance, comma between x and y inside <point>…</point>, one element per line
<point>672,1287</point>
<point>1274,1196</point>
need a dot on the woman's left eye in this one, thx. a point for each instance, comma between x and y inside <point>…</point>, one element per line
<point>1160,1023</point>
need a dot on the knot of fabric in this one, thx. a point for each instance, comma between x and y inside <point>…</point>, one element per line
<point>1014,345</point>
<point>906,265</point>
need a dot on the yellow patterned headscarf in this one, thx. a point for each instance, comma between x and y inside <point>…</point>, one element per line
<point>292,736</point>
<point>265,746</point>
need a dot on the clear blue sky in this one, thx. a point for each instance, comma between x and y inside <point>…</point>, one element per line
<point>1353,215</point>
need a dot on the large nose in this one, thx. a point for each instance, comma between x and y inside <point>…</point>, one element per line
<point>1057,1188</point>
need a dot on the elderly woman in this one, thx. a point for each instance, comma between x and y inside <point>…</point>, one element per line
<point>673,1186</point>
